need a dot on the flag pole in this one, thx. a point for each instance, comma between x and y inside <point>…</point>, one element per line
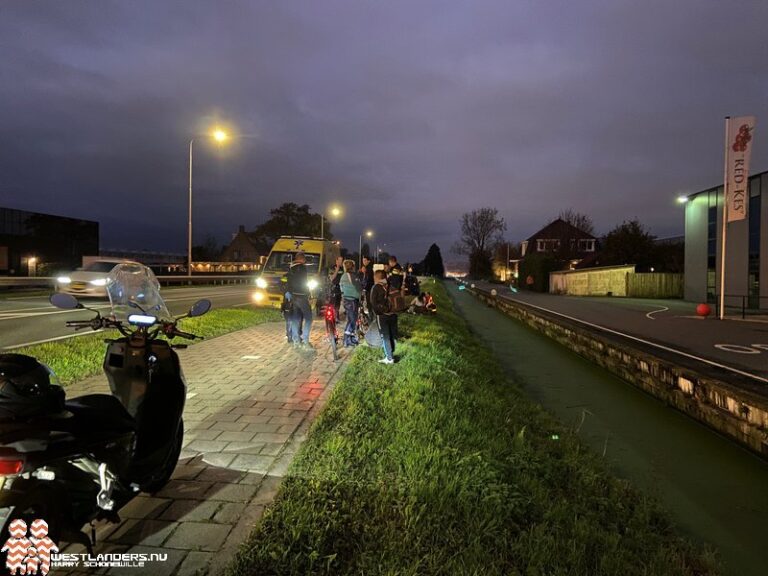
<point>725,221</point>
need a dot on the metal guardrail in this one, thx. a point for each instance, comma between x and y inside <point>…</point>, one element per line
<point>202,279</point>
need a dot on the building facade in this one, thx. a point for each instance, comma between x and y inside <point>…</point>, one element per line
<point>562,240</point>
<point>746,269</point>
<point>40,244</point>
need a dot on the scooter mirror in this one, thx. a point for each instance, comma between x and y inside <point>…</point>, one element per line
<point>199,308</point>
<point>64,301</point>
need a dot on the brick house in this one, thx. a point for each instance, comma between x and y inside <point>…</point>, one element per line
<point>561,240</point>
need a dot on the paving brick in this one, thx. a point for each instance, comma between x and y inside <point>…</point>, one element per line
<point>232,492</point>
<point>190,489</point>
<point>205,536</point>
<point>253,463</point>
<point>146,531</point>
<point>195,564</point>
<point>189,510</point>
<point>144,507</point>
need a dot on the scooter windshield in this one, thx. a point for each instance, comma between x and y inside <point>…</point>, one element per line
<point>133,288</point>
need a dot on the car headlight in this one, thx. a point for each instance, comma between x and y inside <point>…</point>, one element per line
<point>261,283</point>
<point>98,282</point>
<point>312,284</point>
<point>63,279</point>
<point>258,296</point>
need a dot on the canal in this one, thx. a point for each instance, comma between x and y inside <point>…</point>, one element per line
<point>715,491</point>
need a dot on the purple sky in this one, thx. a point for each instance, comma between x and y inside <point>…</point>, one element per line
<point>408,113</point>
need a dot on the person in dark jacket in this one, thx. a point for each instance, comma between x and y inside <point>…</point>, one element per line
<point>335,276</point>
<point>385,318</point>
<point>395,277</point>
<point>301,315</point>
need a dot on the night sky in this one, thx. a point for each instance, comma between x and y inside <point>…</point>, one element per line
<point>408,113</point>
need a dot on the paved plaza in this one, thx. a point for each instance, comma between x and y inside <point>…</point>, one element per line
<point>251,401</point>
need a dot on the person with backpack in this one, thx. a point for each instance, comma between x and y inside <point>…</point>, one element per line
<point>386,319</point>
<point>351,290</point>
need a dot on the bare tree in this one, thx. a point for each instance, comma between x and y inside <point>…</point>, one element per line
<point>578,220</point>
<point>481,230</point>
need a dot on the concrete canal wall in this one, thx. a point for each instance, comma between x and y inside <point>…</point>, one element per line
<point>738,410</point>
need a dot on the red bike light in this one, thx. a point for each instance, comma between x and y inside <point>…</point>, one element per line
<point>11,467</point>
<point>329,313</point>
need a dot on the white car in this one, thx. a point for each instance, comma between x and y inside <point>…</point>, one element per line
<point>90,280</point>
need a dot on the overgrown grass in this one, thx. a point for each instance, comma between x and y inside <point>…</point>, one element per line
<point>440,465</point>
<point>77,358</point>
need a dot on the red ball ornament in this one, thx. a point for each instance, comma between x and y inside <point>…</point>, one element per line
<point>703,310</point>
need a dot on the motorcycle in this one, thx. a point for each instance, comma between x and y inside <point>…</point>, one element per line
<point>73,462</point>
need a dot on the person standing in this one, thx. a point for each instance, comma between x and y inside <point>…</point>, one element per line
<point>335,275</point>
<point>366,281</point>
<point>395,277</point>
<point>302,312</point>
<point>351,291</point>
<point>385,318</point>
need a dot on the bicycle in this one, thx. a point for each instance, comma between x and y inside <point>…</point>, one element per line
<point>329,314</point>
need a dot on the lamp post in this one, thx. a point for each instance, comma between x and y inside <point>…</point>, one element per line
<point>368,234</point>
<point>335,211</point>
<point>219,136</point>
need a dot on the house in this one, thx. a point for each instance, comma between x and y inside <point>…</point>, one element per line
<point>561,240</point>
<point>242,248</point>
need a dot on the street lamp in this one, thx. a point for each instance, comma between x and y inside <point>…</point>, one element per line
<point>219,136</point>
<point>368,234</point>
<point>682,199</point>
<point>335,211</point>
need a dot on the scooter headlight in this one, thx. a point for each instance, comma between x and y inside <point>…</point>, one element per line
<point>312,284</point>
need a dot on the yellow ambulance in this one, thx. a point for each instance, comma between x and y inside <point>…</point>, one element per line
<point>321,255</point>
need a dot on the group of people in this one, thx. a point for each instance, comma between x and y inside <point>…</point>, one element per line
<point>363,291</point>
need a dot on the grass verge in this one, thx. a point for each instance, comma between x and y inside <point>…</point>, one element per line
<point>77,358</point>
<point>440,465</point>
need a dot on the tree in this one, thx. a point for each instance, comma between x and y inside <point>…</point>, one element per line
<point>208,251</point>
<point>432,265</point>
<point>578,220</point>
<point>481,230</point>
<point>629,243</point>
<point>289,219</point>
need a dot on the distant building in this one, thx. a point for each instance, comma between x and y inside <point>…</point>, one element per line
<point>561,240</point>
<point>746,271</point>
<point>38,244</point>
<point>242,248</point>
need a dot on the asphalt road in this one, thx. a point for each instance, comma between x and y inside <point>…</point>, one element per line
<point>739,345</point>
<point>31,320</point>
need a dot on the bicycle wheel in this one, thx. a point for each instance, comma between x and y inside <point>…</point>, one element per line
<point>330,330</point>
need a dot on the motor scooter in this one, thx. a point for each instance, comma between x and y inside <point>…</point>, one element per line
<point>83,459</point>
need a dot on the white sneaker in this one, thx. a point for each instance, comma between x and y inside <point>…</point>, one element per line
<point>386,361</point>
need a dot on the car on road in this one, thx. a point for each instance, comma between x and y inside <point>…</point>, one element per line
<point>89,280</point>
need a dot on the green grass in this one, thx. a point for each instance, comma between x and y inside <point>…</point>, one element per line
<point>440,465</point>
<point>77,358</point>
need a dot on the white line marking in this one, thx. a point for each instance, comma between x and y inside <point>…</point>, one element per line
<point>650,314</point>
<point>249,357</point>
<point>736,348</point>
<point>51,339</point>
<point>636,339</point>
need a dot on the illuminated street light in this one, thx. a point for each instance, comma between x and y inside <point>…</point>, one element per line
<point>334,211</point>
<point>682,199</point>
<point>219,136</point>
<point>368,234</point>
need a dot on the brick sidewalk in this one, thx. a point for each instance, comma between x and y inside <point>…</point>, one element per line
<point>251,401</point>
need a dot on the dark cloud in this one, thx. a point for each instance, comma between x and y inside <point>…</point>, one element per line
<point>408,113</point>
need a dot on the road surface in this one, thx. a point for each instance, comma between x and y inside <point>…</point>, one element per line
<point>31,320</point>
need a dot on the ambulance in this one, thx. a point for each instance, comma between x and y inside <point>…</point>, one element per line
<point>320,256</point>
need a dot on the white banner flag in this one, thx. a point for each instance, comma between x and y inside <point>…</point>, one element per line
<point>737,152</point>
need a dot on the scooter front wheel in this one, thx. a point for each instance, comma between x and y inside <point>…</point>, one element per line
<point>156,483</point>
